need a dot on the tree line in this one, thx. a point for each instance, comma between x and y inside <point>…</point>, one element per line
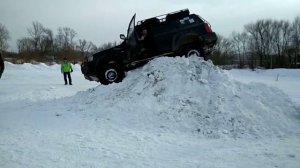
<point>265,43</point>
<point>41,44</point>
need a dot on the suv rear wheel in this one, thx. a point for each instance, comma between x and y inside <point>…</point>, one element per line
<point>195,51</point>
<point>111,73</point>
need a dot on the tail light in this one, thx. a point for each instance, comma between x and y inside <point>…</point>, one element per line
<point>207,28</point>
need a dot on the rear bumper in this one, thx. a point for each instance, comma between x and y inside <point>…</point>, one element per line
<point>210,39</point>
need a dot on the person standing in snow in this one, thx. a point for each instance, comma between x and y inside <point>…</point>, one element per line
<point>1,65</point>
<point>66,69</point>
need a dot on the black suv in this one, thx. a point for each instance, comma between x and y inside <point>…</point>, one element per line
<point>173,34</point>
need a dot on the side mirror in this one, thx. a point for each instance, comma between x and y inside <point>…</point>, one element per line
<point>122,36</point>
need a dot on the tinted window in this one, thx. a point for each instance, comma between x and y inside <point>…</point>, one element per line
<point>131,27</point>
<point>187,20</point>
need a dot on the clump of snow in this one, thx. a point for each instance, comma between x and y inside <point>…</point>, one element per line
<point>190,95</point>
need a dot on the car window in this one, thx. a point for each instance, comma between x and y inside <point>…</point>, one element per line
<point>131,27</point>
<point>130,32</point>
<point>187,20</point>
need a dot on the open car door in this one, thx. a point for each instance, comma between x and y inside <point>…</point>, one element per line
<point>131,33</point>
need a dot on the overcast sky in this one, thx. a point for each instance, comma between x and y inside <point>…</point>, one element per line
<point>102,21</point>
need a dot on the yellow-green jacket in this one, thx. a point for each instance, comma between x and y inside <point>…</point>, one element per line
<point>66,67</point>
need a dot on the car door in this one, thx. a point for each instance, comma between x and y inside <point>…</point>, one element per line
<point>164,36</point>
<point>131,39</point>
<point>132,43</point>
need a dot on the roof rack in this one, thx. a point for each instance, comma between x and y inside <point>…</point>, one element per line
<point>164,17</point>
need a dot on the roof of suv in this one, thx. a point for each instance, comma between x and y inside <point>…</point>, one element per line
<point>166,17</point>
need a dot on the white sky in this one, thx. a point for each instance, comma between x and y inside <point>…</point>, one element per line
<point>102,21</point>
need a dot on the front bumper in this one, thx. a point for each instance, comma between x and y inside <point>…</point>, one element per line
<point>86,71</point>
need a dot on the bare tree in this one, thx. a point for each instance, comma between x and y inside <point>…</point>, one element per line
<point>41,39</point>
<point>265,43</point>
<point>281,34</point>
<point>59,40</point>
<point>295,35</point>
<point>239,45</point>
<point>254,41</point>
<point>4,37</point>
<point>65,38</point>
<point>85,47</point>
<point>65,45</point>
<point>286,36</point>
<point>260,34</point>
<point>47,40</point>
<point>222,53</point>
<point>35,33</point>
<point>277,38</point>
<point>25,45</point>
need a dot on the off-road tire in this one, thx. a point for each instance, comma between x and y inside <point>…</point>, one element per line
<point>111,73</point>
<point>194,50</point>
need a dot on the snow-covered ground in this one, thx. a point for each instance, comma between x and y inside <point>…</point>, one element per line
<point>287,80</point>
<point>173,112</point>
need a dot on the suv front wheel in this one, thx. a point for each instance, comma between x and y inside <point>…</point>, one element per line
<point>111,73</point>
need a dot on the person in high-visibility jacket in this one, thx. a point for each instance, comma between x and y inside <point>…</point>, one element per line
<point>66,69</point>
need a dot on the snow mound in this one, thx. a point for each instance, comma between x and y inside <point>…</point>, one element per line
<point>190,95</point>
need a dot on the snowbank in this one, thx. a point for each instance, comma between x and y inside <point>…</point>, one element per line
<point>190,95</point>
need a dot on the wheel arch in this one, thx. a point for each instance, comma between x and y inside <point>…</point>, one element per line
<point>108,59</point>
<point>191,39</point>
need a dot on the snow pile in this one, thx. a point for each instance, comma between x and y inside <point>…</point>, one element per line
<point>190,95</point>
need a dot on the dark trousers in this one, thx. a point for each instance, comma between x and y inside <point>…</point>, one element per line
<point>69,77</point>
<point>1,71</point>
